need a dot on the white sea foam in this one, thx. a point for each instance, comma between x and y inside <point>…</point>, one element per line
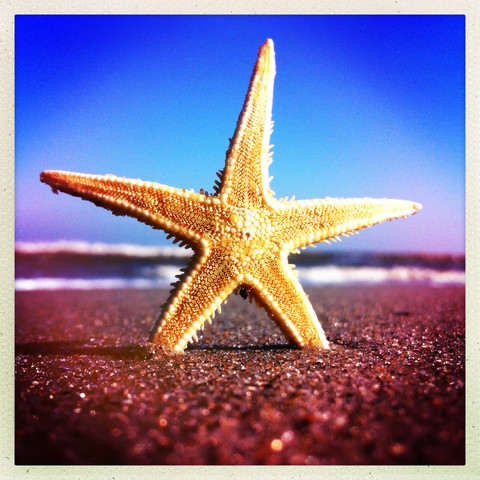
<point>162,276</point>
<point>99,248</point>
<point>29,284</point>
<point>333,275</point>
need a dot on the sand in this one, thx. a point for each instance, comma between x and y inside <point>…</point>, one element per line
<point>90,390</point>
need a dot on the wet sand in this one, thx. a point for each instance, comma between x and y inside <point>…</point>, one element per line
<point>90,390</point>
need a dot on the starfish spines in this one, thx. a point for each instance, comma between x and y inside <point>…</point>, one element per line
<point>191,304</point>
<point>245,176</point>
<point>241,235</point>
<point>179,212</point>
<point>318,220</point>
<point>283,298</point>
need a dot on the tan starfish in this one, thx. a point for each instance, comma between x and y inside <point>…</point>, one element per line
<point>241,235</point>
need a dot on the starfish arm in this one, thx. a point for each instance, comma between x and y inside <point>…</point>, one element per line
<point>276,286</point>
<point>244,180</point>
<point>178,212</point>
<point>206,283</point>
<point>311,221</point>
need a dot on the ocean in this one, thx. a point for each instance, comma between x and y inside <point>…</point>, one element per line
<point>81,265</point>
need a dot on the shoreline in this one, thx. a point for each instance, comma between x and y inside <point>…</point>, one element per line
<point>391,390</point>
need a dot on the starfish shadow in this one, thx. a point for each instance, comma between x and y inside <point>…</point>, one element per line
<point>131,351</point>
<point>242,348</point>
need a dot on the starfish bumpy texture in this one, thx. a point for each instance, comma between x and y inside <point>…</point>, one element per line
<point>241,234</point>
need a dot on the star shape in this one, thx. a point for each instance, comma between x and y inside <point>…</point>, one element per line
<point>241,235</point>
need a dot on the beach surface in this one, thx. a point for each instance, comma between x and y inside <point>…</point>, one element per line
<point>391,390</point>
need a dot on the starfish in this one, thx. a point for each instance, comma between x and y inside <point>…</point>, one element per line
<point>241,235</point>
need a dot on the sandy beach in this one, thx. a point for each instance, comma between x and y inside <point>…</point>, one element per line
<point>91,390</point>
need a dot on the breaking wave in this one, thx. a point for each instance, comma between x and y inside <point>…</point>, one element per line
<point>82,265</point>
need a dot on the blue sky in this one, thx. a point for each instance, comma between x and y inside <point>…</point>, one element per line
<point>363,106</point>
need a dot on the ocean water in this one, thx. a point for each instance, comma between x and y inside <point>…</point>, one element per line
<point>82,265</point>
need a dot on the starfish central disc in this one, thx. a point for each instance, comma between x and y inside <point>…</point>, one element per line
<point>246,228</point>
